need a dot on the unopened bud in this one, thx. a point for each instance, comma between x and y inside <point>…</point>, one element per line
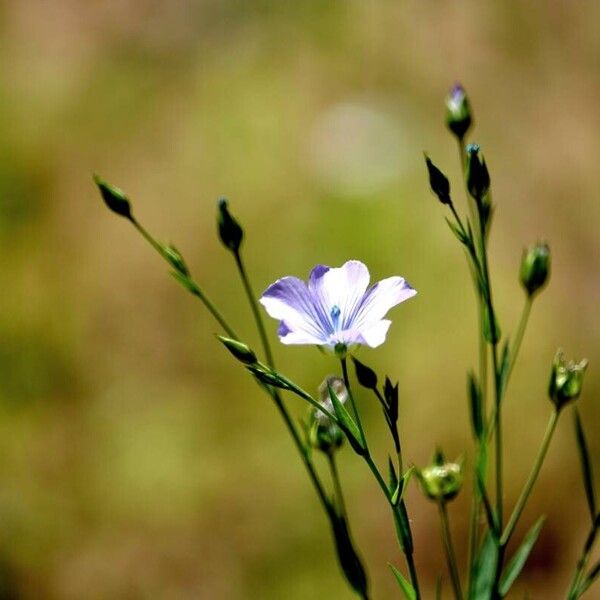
<point>477,175</point>
<point>114,198</point>
<point>176,260</point>
<point>365,375</point>
<point>566,380</point>
<point>535,268</point>
<point>458,111</point>
<point>230,231</point>
<point>441,481</point>
<point>339,388</point>
<point>242,352</point>
<point>438,182</point>
<point>325,436</point>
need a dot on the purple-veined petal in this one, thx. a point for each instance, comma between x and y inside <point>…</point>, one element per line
<point>289,301</point>
<point>342,287</point>
<point>299,336</point>
<point>378,300</point>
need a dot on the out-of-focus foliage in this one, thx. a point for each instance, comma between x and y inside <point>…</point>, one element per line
<point>138,459</point>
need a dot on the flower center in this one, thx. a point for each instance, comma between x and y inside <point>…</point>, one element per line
<point>335,316</point>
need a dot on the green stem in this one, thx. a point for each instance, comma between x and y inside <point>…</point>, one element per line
<point>212,309</point>
<point>386,491</point>
<point>516,345</point>
<point>574,588</point>
<point>255,311</point>
<point>336,483</point>
<point>522,501</point>
<point>449,548</point>
<point>352,402</point>
<point>514,352</point>
<point>274,393</point>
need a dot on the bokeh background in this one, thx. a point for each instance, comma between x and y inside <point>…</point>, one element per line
<point>137,460</point>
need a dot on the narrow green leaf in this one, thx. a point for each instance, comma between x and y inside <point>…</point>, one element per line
<point>590,577</point>
<point>484,570</point>
<point>475,405</point>
<point>456,231</point>
<point>347,423</point>
<point>586,465</point>
<point>491,334</point>
<point>347,556</point>
<point>504,364</point>
<point>407,589</point>
<point>186,282</point>
<point>489,511</point>
<point>519,558</point>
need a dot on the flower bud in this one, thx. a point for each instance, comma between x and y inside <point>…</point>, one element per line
<point>458,111</point>
<point>566,380</point>
<point>535,268</point>
<point>325,436</point>
<point>438,182</point>
<point>366,376</point>
<point>339,387</point>
<point>114,198</point>
<point>242,352</point>
<point>176,260</point>
<point>441,481</point>
<point>230,231</point>
<point>477,175</point>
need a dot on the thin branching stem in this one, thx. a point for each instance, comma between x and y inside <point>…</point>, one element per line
<point>533,475</point>
<point>449,550</point>
<point>212,309</point>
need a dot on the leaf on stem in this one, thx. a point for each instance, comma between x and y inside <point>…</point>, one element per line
<point>586,465</point>
<point>475,405</point>
<point>589,579</point>
<point>346,423</point>
<point>484,569</point>
<point>504,368</point>
<point>186,282</point>
<point>461,236</point>
<point>519,558</point>
<point>349,559</point>
<point>491,332</point>
<point>407,589</point>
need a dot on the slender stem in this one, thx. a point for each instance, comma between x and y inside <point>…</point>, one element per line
<point>498,438</point>
<point>408,554</point>
<point>300,446</point>
<point>514,352</point>
<point>212,309</point>
<point>573,592</point>
<point>516,345</point>
<point>352,402</point>
<point>394,431</point>
<point>537,465</point>
<point>301,450</point>
<point>336,482</point>
<point>449,548</point>
<point>255,311</point>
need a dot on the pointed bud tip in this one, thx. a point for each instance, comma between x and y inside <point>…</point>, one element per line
<point>239,350</point>
<point>230,231</point>
<point>114,198</point>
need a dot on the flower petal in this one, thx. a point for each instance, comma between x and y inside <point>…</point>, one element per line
<point>384,295</point>
<point>343,287</point>
<point>374,334</point>
<point>289,301</point>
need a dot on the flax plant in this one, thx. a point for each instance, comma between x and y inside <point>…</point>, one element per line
<point>338,310</point>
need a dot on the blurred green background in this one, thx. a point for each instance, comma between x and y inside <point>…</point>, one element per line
<point>137,460</point>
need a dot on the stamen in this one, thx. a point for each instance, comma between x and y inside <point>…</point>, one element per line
<point>335,316</point>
